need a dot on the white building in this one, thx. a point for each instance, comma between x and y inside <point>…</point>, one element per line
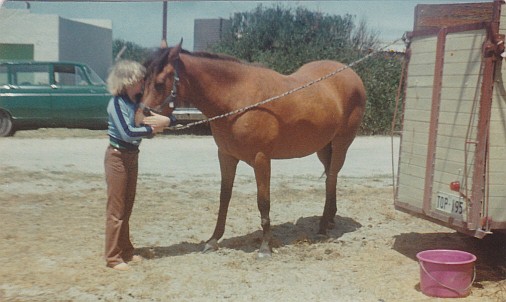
<point>52,38</point>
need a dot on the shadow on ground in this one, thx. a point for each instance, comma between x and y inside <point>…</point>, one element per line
<point>304,230</point>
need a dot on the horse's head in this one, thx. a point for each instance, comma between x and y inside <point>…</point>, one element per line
<point>162,80</point>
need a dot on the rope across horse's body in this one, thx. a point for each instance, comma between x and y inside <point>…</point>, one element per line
<point>271,99</point>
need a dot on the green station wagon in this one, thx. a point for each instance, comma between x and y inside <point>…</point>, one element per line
<point>51,94</point>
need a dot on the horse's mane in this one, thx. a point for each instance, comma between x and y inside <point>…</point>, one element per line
<point>214,56</point>
<point>159,58</point>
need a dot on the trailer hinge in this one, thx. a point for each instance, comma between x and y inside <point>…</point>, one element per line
<point>481,233</point>
<point>494,47</point>
<point>484,228</point>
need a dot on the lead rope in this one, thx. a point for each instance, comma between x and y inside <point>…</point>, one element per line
<point>243,109</point>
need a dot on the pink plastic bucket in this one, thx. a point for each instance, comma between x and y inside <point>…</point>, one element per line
<point>446,273</point>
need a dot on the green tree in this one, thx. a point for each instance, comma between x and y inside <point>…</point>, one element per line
<point>380,75</point>
<point>129,50</point>
<point>284,39</point>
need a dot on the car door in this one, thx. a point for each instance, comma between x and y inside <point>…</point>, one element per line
<point>27,96</point>
<point>76,101</point>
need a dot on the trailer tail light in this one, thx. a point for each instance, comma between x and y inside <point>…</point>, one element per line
<point>455,186</point>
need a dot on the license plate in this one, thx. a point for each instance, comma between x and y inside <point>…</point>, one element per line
<point>451,204</point>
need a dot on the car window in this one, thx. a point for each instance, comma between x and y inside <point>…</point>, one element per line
<point>94,78</point>
<point>30,75</point>
<point>4,78</point>
<point>69,75</point>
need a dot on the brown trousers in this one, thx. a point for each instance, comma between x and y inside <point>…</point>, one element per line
<point>121,168</point>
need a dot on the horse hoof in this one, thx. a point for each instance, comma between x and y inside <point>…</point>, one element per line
<point>321,236</point>
<point>211,246</point>
<point>264,255</point>
<point>264,252</point>
<point>322,232</point>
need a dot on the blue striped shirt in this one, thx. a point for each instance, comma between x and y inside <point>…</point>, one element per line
<point>122,127</point>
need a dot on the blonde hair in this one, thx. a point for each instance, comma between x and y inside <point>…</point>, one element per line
<point>124,73</point>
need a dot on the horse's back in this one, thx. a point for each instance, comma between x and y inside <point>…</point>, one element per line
<point>342,75</point>
<point>341,85</point>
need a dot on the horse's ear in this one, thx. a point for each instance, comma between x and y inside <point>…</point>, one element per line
<point>174,52</point>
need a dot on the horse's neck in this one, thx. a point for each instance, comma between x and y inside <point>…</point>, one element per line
<point>215,84</point>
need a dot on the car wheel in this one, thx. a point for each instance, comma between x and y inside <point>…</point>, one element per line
<point>5,124</point>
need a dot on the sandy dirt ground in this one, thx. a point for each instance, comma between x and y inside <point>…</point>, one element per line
<point>52,204</point>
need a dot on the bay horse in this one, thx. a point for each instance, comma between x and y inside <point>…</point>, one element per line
<point>323,118</point>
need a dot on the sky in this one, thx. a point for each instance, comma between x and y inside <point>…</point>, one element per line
<point>141,22</point>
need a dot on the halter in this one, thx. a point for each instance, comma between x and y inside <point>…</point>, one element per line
<point>169,101</point>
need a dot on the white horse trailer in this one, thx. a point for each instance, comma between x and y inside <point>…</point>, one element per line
<point>452,157</point>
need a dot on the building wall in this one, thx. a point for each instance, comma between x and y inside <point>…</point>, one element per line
<point>59,39</point>
<point>207,32</point>
<point>41,31</point>
<point>86,43</point>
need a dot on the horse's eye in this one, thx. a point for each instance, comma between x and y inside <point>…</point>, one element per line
<point>159,87</point>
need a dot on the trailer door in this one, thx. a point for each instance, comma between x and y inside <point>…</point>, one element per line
<point>444,140</point>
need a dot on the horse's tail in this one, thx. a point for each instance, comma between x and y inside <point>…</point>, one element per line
<point>325,156</point>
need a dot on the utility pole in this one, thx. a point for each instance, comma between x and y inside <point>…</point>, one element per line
<point>164,44</point>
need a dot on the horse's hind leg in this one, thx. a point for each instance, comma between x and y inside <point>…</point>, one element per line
<point>228,167</point>
<point>332,157</point>
<point>262,167</point>
<point>325,157</point>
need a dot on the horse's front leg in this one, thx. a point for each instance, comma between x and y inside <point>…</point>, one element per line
<point>228,166</point>
<point>262,167</point>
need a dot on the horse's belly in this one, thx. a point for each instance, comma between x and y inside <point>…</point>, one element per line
<point>296,141</point>
<point>300,143</point>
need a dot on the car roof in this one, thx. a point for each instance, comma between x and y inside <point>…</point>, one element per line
<point>32,62</point>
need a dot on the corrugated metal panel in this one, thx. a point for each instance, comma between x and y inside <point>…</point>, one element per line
<point>412,156</point>
<point>457,119</point>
